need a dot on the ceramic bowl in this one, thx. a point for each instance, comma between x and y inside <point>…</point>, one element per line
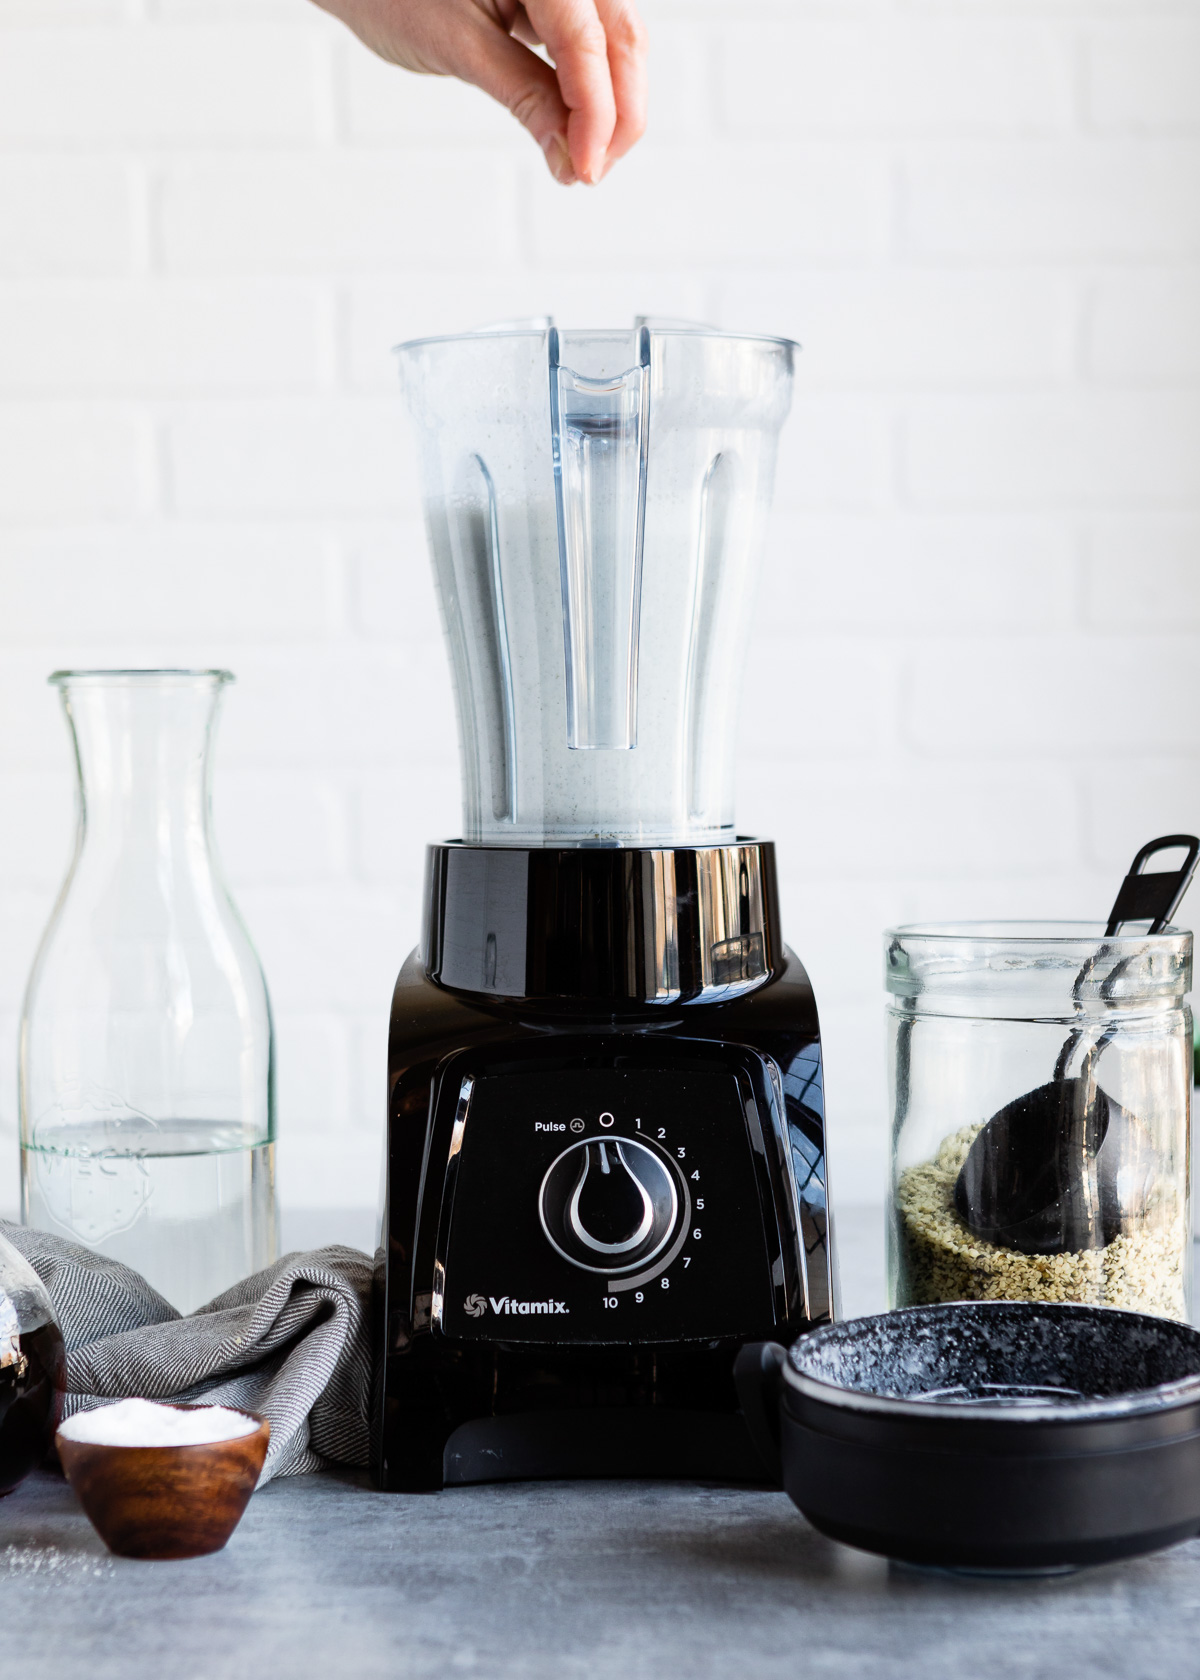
<point>992,1435</point>
<point>166,1502</point>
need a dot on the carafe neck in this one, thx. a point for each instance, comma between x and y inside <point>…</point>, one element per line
<point>141,742</point>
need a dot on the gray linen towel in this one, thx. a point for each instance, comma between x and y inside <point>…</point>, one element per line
<point>291,1342</point>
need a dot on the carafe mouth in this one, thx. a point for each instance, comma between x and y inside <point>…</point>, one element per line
<point>142,740</point>
<point>130,676</point>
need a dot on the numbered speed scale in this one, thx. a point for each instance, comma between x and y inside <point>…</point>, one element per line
<point>605,1163</point>
<point>590,1222</point>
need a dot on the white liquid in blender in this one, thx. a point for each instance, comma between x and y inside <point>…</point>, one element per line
<point>676,784</point>
<point>189,1204</point>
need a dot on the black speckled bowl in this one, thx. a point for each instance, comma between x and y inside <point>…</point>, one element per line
<point>990,1435</point>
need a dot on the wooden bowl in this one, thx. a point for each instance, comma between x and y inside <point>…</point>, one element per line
<point>166,1502</point>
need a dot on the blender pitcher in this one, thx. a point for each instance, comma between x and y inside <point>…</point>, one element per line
<point>595,504</point>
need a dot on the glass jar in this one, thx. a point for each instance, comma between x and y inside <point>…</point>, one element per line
<point>146,1064</point>
<point>1040,1079</point>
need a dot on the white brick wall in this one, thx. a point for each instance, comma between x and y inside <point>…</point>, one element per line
<point>973,688</point>
<point>189,85</point>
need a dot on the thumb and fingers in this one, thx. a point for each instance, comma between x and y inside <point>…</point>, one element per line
<point>585,109</point>
<point>625,37</point>
<point>575,39</point>
<point>486,55</point>
<point>568,105</point>
<point>598,48</point>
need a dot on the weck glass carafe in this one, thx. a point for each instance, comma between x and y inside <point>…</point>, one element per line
<point>146,1059</point>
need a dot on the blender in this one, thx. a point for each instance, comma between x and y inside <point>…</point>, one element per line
<point>605,1157</point>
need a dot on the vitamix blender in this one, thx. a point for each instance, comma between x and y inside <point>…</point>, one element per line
<point>605,1162</point>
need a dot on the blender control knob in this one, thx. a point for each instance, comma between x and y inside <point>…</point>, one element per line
<point>609,1204</point>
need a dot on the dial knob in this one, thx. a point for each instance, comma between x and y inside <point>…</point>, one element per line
<point>609,1204</point>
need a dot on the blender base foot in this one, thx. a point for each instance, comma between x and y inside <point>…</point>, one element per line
<point>624,1442</point>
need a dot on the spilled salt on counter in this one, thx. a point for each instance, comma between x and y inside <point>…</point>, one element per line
<point>144,1423</point>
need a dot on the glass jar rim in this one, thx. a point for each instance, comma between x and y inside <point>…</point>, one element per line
<point>141,674</point>
<point>1031,932</point>
<point>1036,965</point>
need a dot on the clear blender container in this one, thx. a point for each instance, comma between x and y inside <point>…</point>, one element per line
<point>596,504</point>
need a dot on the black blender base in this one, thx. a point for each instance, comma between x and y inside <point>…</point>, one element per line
<point>531,1050</point>
<point>635,1442</point>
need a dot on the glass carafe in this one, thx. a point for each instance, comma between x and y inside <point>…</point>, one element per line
<point>146,1061</point>
<point>596,505</point>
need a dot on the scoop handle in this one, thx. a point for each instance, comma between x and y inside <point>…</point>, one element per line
<point>1154,897</point>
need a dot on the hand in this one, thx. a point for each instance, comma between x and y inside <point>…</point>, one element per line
<point>585,111</point>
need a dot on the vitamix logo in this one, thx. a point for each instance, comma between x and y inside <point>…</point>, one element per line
<point>477,1305</point>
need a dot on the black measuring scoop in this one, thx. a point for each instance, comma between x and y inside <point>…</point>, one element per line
<point>1041,1176</point>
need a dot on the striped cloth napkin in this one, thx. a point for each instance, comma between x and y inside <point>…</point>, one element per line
<point>292,1342</point>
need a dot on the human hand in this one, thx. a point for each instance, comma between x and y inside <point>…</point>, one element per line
<point>585,110</point>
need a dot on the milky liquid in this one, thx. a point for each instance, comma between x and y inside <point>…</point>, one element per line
<point>186,1203</point>
<point>523,781</point>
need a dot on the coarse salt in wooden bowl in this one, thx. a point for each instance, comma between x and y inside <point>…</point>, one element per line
<point>151,1494</point>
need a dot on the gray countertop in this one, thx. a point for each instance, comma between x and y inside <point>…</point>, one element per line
<point>565,1580</point>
